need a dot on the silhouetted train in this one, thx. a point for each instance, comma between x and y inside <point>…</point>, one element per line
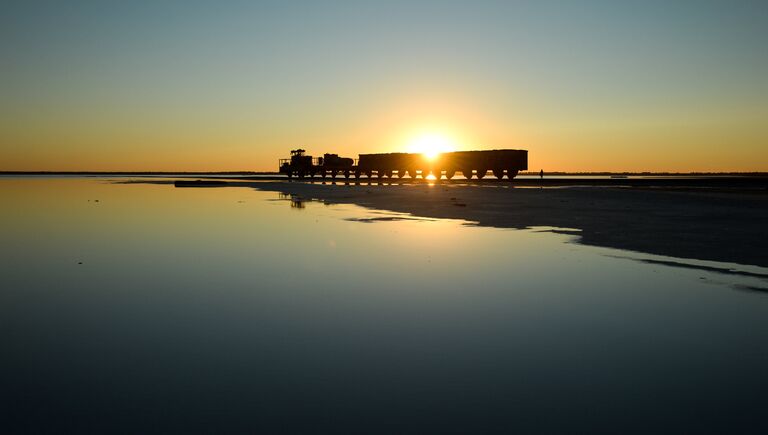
<point>469,163</point>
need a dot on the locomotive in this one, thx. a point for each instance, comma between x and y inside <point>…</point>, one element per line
<point>470,163</point>
<point>302,165</point>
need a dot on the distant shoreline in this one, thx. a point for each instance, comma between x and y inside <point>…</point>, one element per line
<point>139,173</point>
<point>268,173</point>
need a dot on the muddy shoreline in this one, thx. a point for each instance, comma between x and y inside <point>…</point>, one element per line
<point>697,223</point>
<point>723,219</point>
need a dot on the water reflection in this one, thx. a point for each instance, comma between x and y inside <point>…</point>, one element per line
<point>365,182</point>
<point>706,225</point>
<point>273,321</point>
<point>296,201</point>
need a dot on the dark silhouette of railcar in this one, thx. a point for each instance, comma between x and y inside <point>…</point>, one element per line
<point>469,163</point>
<point>302,165</point>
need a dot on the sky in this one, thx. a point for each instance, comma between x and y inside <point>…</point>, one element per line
<point>171,85</point>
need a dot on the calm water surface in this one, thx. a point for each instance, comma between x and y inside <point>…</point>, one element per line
<point>145,308</point>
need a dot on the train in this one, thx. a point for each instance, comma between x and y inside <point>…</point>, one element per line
<point>501,163</point>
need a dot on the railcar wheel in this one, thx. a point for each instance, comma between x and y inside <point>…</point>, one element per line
<point>424,173</point>
<point>481,173</point>
<point>437,173</point>
<point>467,173</point>
<point>386,173</point>
<point>401,173</point>
<point>511,173</point>
<point>499,173</point>
<point>357,174</point>
<point>450,173</point>
<point>333,173</point>
<point>346,174</point>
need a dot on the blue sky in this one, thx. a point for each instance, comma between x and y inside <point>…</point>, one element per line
<point>102,84</point>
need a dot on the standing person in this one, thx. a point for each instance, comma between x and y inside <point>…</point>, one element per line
<point>541,174</point>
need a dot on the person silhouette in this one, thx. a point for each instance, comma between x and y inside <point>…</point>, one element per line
<point>541,174</point>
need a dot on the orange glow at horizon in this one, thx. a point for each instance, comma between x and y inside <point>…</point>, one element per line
<point>431,145</point>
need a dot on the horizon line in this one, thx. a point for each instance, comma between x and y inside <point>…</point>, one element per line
<point>49,172</point>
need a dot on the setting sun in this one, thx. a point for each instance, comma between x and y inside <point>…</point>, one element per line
<point>431,144</point>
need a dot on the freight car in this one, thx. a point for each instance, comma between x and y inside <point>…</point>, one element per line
<point>469,163</point>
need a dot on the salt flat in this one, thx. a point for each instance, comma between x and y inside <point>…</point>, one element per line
<point>706,221</point>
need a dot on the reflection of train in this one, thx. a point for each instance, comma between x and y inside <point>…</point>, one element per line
<point>469,163</point>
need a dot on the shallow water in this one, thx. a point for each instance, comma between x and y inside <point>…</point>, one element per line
<point>148,308</point>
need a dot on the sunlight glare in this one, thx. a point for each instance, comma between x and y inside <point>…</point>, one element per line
<point>431,145</point>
